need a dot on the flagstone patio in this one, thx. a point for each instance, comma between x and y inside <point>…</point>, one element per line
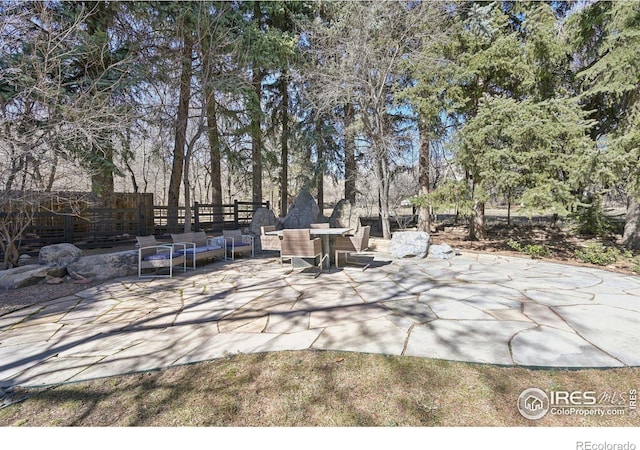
<point>478,308</point>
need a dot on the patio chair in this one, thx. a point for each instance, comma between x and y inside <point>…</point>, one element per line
<point>236,241</point>
<point>154,255</point>
<point>298,244</point>
<point>357,243</point>
<point>319,225</point>
<point>269,242</point>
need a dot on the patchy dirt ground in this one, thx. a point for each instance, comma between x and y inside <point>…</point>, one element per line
<point>560,242</point>
<point>13,299</point>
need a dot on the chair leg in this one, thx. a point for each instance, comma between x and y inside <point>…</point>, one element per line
<point>347,262</point>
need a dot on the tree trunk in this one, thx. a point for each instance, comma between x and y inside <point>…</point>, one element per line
<point>256,131</point>
<point>102,176</point>
<point>127,154</point>
<point>476,225</point>
<point>284,157</point>
<point>320,171</point>
<point>187,193</point>
<point>350,169</point>
<point>98,22</point>
<point>214,155</point>
<point>180,138</point>
<point>213,134</point>
<point>631,236</point>
<point>52,175</point>
<point>424,216</point>
<point>256,141</point>
<point>381,172</point>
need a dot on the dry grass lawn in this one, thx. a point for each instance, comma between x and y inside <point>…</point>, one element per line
<point>317,389</point>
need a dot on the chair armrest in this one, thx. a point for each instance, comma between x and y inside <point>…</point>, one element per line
<point>316,245</point>
<point>218,240</point>
<point>184,245</point>
<point>158,248</point>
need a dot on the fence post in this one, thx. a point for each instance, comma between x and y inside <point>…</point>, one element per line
<point>196,216</point>
<point>142,221</point>
<point>68,227</point>
<point>235,214</point>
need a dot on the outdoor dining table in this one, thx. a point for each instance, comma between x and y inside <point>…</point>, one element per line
<point>325,234</point>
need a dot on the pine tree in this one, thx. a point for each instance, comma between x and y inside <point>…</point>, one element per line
<point>607,38</point>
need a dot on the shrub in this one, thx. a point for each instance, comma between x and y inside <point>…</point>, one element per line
<point>533,250</point>
<point>515,245</point>
<point>537,250</point>
<point>591,218</point>
<point>596,253</point>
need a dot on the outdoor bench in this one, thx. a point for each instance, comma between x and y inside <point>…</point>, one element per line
<point>199,247</point>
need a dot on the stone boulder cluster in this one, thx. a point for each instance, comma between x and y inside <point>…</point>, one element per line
<point>61,260</point>
<point>303,212</point>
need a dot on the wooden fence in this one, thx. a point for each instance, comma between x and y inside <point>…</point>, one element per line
<point>209,217</point>
<point>97,226</point>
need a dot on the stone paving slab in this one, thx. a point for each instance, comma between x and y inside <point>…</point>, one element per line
<point>492,302</point>
<point>287,322</point>
<point>411,309</point>
<point>479,308</point>
<point>465,340</point>
<point>611,329</point>
<point>18,358</point>
<point>457,310</point>
<point>549,347</point>
<point>372,336</point>
<point>348,314</point>
<point>545,315</point>
<point>40,332</point>
<point>624,301</point>
<point>160,351</point>
<point>57,370</point>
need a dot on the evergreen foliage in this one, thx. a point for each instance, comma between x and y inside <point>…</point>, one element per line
<point>533,102</point>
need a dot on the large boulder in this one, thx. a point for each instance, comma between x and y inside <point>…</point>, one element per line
<point>28,275</point>
<point>344,215</point>
<point>105,266</point>
<point>262,217</point>
<point>441,251</point>
<point>409,244</point>
<point>60,255</point>
<point>303,212</point>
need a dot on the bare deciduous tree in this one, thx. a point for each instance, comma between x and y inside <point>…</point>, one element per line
<point>360,58</point>
<point>48,110</point>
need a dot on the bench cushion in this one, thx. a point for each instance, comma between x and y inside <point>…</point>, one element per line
<point>201,249</point>
<point>161,256</point>
<point>238,244</point>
